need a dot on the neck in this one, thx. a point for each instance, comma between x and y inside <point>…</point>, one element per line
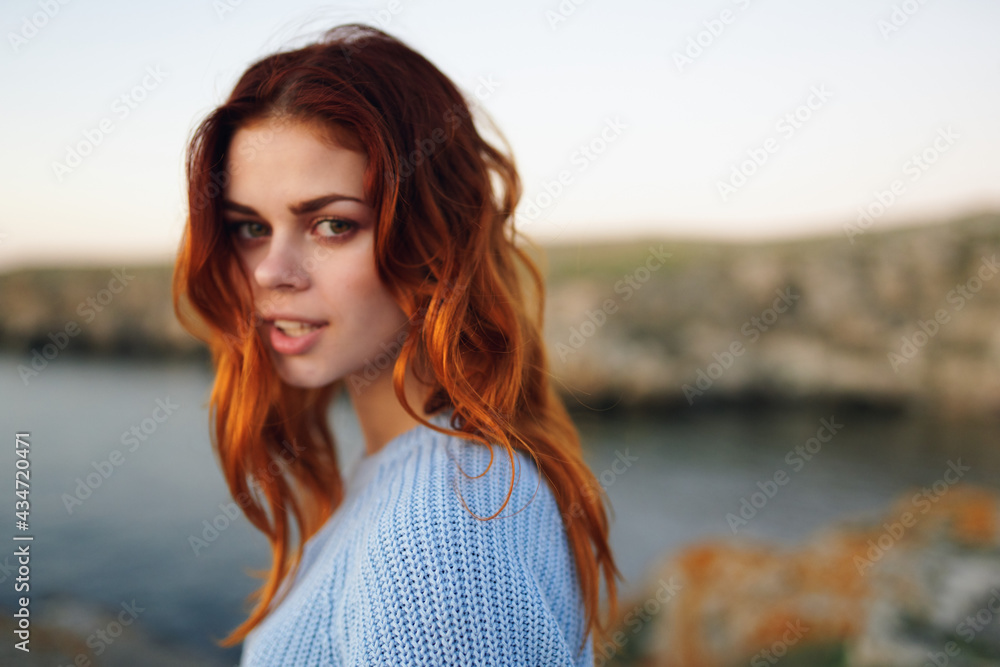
<point>380,414</point>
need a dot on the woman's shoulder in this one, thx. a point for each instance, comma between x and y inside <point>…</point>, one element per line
<point>436,552</point>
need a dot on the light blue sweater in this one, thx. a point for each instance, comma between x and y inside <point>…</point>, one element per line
<point>402,574</point>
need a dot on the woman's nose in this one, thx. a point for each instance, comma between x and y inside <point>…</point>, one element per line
<point>282,266</point>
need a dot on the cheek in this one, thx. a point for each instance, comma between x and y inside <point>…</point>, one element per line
<point>381,311</point>
<point>356,293</point>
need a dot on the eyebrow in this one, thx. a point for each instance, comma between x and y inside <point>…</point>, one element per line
<point>308,206</point>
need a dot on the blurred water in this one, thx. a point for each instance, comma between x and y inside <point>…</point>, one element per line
<point>676,479</point>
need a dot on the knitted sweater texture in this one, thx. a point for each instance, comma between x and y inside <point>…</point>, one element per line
<point>403,574</point>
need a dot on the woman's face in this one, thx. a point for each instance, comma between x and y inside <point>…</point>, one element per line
<point>295,208</point>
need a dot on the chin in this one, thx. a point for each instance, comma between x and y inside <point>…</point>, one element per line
<point>303,373</point>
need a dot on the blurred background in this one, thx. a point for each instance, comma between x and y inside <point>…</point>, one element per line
<point>771,234</point>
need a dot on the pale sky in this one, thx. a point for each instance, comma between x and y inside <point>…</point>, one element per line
<point>886,80</point>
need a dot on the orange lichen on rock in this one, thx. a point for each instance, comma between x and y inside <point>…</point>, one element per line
<point>739,598</point>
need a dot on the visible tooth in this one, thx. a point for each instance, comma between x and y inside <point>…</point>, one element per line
<point>293,328</point>
<point>286,324</point>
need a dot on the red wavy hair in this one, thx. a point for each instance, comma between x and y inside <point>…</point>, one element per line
<point>445,248</point>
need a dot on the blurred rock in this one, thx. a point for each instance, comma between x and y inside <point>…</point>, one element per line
<point>906,319</point>
<point>919,586</point>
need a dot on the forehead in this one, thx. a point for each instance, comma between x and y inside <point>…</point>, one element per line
<point>292,159</point>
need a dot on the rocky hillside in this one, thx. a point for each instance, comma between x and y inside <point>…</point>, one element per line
<point>905,319</point>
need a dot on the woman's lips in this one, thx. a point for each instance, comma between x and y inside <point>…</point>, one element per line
<point>293,336</point>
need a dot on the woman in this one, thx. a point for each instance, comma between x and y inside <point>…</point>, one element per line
<point>350,228</point>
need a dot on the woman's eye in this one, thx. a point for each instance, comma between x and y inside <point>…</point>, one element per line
<point>330,227</point>
<point>248,230</point>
